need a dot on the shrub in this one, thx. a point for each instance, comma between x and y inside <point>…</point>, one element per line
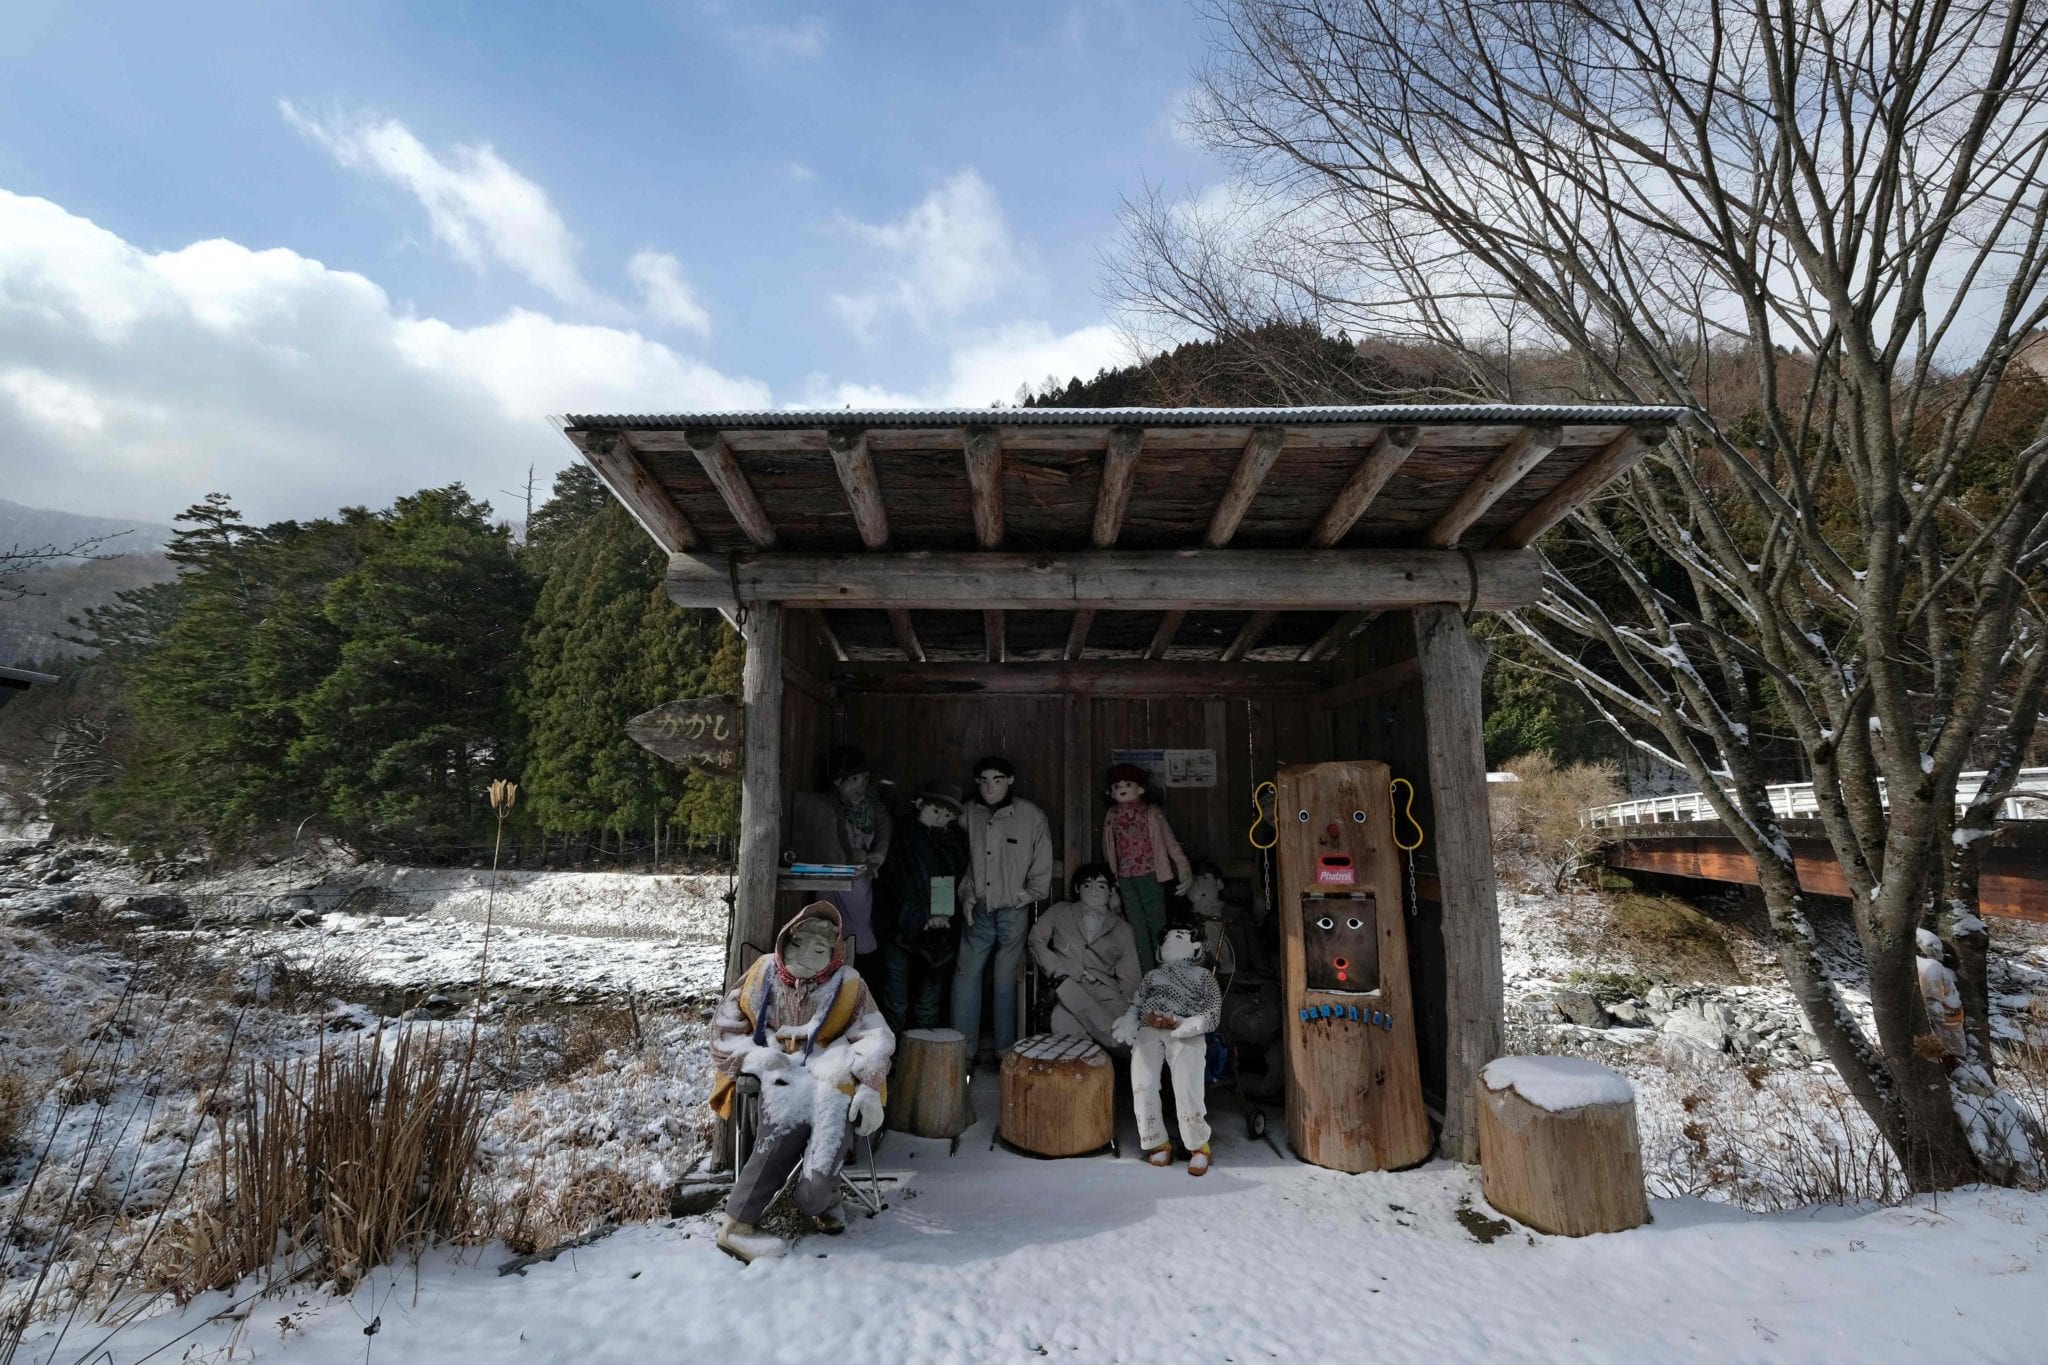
<point>1539,817</point>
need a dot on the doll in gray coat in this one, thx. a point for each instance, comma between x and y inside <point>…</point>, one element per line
<point>1088,952</point>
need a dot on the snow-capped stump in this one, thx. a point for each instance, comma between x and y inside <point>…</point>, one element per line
<point>1059,1096</point>
<point>928,1085</point>
<point>1558,1147</point>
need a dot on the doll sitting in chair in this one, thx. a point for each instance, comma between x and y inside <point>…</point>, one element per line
<point>1177,1003</point>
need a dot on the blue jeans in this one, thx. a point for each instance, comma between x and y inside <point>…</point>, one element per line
<point>1001,932</point>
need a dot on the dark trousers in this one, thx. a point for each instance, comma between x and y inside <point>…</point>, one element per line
<point>913,990</point>
<point>775,1155</point>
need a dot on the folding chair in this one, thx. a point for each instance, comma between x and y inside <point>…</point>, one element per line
<point>746,1127</point>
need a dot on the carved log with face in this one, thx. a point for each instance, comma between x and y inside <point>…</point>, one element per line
<point>1340,940</point>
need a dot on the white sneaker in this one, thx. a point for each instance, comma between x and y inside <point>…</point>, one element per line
<point>745,1242</point>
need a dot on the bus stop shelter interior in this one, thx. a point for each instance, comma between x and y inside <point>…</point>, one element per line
<point>1273,586</point>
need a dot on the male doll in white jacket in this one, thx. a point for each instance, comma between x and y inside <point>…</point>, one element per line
<point>1176,1004</point>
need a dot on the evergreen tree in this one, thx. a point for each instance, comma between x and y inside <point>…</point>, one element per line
<point>401,736</point>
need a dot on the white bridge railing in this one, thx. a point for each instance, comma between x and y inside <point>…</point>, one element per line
<point>1794,801</point>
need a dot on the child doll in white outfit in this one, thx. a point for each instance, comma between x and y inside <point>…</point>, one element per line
<point>1176,1004</point>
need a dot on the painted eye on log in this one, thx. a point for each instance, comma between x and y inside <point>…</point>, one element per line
<point>1358,817</point>
<point>1326,924</point>
<point>1354,923</point>
<point>1303,817</point>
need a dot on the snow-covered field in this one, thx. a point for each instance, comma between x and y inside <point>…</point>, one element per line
<point>594,1033</point>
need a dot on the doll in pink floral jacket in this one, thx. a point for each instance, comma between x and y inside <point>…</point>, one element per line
<point>1140,848</point>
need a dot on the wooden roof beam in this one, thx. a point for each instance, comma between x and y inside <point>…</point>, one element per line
<point>1528,449</point>
<point>1333,639</point>
<point>984,452</point>
<point>1614,460</point>
<point>863,487</point>
<point>1386,454</point>
<point>1121,580</point>
<point>726,476</point>
<point>1119,472</point>
<point>1257,460</point>
<point>1089,677</point>
<point>612,455</point>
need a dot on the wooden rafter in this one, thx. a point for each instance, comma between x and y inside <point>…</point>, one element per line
<point>1612,462</point>
<point>612,455</point>
<point>1529,449</point>
<point>1119,472</point>
<point>984,452</point>
<point>731,482</point>
<point>871,518</point>
<point>1388,450</point>
<point>1332,640</point>
<point>1253,465</point>
<point>1087,677</point>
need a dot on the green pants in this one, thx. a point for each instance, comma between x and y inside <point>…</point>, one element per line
<point>1145,911</point>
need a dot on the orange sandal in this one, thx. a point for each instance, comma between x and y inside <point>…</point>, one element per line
<point>1161,1155</point>
<point>1198,1160</point>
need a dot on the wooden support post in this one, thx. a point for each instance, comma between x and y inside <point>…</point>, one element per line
<point>1452,664</point>
<point>726,476</point>
<point>760,850</point>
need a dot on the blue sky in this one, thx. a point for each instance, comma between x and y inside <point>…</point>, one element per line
<point>316,253</point>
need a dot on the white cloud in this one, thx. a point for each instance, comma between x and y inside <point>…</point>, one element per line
<point>801,39</point>
<point>986,368</point>
<point>137,381</point>
<point>666,297</point>
<point>952,252</point>
<point>478,206</point>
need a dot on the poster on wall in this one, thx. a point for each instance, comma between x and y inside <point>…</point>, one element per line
<point>1172,767</point>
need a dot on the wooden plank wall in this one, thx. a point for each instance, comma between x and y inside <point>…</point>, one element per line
<point>913,737</point>
<point>1391,727</point>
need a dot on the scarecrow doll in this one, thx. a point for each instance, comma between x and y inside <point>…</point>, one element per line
<point>802,1025</point>
<point>1177,1003</point>
<point>1142,852</point>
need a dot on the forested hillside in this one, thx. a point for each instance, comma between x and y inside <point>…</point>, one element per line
<point>364,676</point>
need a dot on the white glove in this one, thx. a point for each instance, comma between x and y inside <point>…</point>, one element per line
<point>866,1110</point>
<point>761,1061</point>
<point>1190,1027</point>
<point>1125,1030</point>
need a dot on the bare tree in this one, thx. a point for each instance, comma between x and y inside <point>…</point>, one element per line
<point>1822,227</point>
<point>17,560</point>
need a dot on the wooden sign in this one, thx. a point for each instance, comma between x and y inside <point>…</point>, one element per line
<point>704,733</point>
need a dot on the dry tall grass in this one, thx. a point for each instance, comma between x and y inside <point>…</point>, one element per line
<point>332,1166</point>
<point>1538,816</point>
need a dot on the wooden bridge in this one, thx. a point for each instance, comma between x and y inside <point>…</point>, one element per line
<point>1679,836</point>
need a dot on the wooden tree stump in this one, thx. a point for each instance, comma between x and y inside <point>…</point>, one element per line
<point>1059,1096</point>
<point>1558,1147</point>
<point>928,1085</point>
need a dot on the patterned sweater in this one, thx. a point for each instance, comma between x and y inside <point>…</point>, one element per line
<point>1184,990</point>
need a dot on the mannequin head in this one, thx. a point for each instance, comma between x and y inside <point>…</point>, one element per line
<point>1126,783</point>
<point>1091,885</point>
<point>994,775</point>
<point>846,768</point>
<point>1181,944</point>
<point>932,815</point>
<point>808,948</point>
<point>1206,895</point>
<point>1927,944</point>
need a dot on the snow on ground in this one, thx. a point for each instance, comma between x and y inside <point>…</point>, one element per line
<point>990,1256</point>
<point>599,985</point>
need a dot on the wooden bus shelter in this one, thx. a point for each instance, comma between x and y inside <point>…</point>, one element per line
<point>1267,586</point>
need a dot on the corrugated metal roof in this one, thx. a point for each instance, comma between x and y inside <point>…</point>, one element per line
<point>1525,414</point>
